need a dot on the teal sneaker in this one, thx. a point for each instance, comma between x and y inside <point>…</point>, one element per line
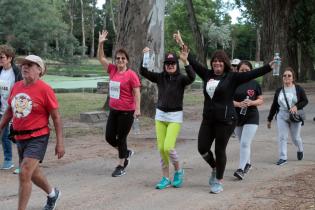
<point>213,178</point>
<point>7,165</point>
<point>164,183</point>
<point>17,171</point>
<point>217,187</point>
<point>178,178</point>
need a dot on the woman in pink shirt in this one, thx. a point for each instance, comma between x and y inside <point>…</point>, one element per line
<point>124,102</point>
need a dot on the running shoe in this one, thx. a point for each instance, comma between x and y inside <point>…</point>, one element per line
<point>7,165</point>
<point>164,183</point>
<point>281,162</point>
<point>119,171</point>
<point>247,168</point>
<point>178,178</point>
<point>299,155</point>
<point>239,173</point>
<point>51,202</point>
<point>217,187</point>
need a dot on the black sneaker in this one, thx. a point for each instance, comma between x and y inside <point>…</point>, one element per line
<point>119,171</point>
<point>51,202</point>
<point>299,155</point>
<point>247,168</point>
<point>239,173</point>
<point>281,162</point>
<point>127,160</point>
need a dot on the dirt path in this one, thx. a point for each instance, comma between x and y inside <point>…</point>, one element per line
<point>84,174</point>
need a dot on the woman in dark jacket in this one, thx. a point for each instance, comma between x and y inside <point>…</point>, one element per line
<point>169,112</point>
<point>297,100</point>
<point>219,115</point>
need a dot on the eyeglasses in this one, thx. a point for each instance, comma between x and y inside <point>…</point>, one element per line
<point>120,58</point>
<point>287,75</point>
<point>170,64</point>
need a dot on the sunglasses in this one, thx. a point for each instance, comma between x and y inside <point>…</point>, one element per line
<point>170,64</point>
<point>287,75</point>
<point>120,58</point>
<point>3,57</point>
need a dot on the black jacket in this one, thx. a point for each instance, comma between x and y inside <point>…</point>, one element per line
<point>301,103</point>
<point>220,107</point>
<point>170,87</point>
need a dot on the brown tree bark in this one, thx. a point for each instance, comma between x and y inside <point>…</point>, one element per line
<point>200,45</point>
<point>141,24</point>
<point>275,36</point>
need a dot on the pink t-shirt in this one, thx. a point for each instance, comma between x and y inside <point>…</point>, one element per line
<point>31,106</point>
<point>121,87</point>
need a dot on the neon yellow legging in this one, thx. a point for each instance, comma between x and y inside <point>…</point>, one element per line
<point>166,133</point>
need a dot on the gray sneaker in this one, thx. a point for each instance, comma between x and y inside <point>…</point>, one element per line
<point>51,202</point>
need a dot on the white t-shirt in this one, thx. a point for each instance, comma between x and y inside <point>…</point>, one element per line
<point>7,79</point>
<point>211,86</point>
<point>290,92</point>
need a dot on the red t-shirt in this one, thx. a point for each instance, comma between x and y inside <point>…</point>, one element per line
<point>30,107</point>
<point>121,87</point>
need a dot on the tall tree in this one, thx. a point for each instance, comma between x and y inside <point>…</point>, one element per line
<point>93,12</point>
<point>140,24</point>
<point>82,28</point>
<point>275,36</point>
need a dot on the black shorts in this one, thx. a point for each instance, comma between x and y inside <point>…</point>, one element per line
<point>33,148</point>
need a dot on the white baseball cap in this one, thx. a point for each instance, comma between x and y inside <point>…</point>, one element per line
<point>33,59</point>
<point>235,61</point>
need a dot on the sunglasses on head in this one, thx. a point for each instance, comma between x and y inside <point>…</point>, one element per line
<point>287,75</point>
<point>120,58</point>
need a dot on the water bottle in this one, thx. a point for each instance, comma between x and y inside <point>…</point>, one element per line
<point>136,126</point>
<point>244,109</point>
<point>146,59</point>
<point>277,65</point>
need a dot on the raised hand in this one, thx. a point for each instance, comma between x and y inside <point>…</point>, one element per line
<point>183,55</point>
<point>102,36</point>
<point>178,39</point>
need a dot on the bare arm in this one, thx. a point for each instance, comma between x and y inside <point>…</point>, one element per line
<point>59,149</point>
<point>137,95</point>
<point>100,51</point>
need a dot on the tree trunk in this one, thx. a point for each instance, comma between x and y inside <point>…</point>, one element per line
<point>112,16</point>
<point>71,15</point>
<point>307,66</point>
<point>92,51</point>
<point>82,27</point>
<point>258,44</point>
<point>200,43</point>
<point>275,36</point>
<point>140,24</point>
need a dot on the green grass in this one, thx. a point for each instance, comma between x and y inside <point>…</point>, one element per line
<point>72,104</point>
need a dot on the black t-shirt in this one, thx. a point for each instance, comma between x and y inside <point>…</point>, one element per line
<point>251,89</point>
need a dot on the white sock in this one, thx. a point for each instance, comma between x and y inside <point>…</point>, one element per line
<point>52,194</point>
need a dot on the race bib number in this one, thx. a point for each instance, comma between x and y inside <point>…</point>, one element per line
<point>211,86</point>
<point>114,89</point>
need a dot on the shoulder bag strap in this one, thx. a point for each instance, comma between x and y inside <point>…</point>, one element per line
<point>285,97</point>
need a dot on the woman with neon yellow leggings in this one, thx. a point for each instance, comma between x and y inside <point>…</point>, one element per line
<point>169,112</point>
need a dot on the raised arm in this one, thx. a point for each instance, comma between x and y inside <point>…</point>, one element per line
<point>100,51</point>
<point>197,67</point>
<point>190,77</point>
<point>152,76</point>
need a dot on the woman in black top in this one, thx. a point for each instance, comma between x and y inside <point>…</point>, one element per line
<point>246,99</point>
<point>219,115</point>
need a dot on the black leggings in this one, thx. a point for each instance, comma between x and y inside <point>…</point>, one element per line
<point>220,132</point>
<point>117,128</point>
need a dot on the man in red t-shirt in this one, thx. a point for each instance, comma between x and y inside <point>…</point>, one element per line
<point>30,104</point>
